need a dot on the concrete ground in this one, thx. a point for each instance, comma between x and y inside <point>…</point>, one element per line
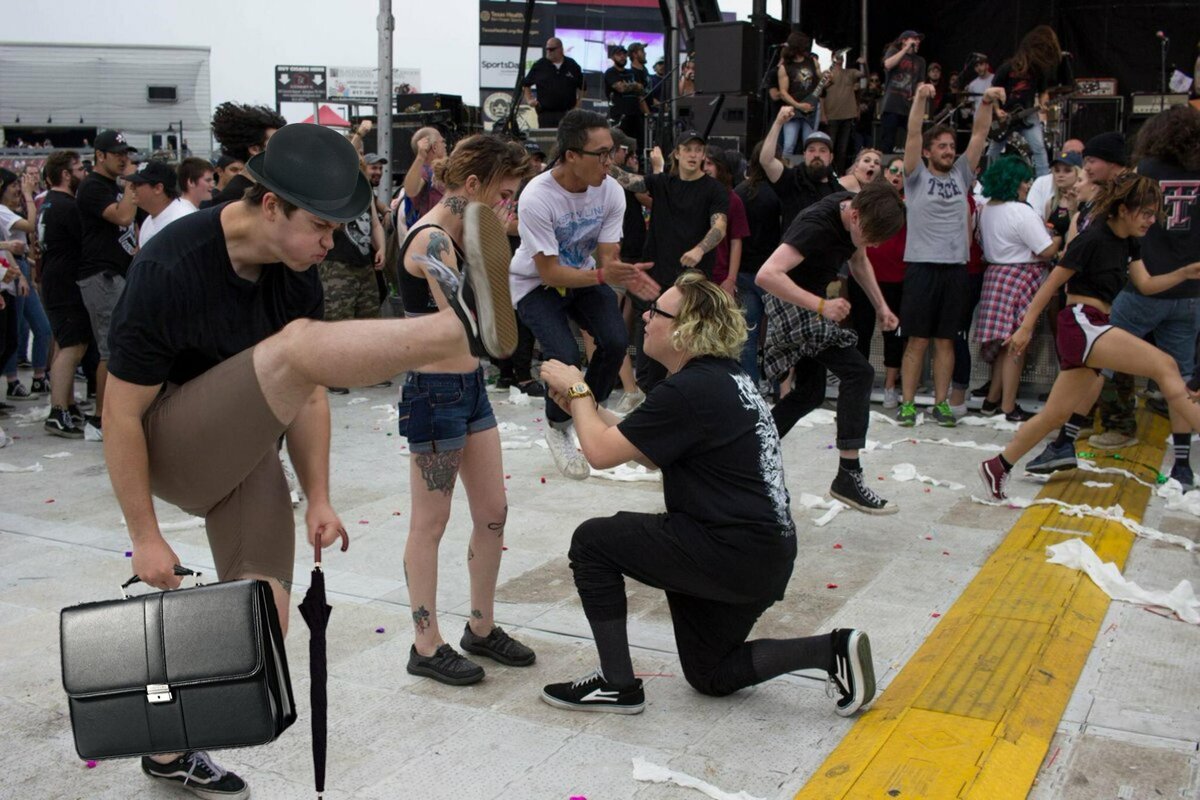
<point>1131,730</point>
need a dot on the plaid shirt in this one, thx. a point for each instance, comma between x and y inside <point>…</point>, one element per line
<point>794,333</point>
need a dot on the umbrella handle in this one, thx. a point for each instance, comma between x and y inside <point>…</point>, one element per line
<point>317,553</point>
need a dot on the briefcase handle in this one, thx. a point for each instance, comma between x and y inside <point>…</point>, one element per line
<point>179,570</point>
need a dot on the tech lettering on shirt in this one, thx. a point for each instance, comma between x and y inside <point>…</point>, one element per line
<point>1179,196</point>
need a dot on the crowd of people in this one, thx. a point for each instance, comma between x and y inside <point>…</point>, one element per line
<point>718,292</point>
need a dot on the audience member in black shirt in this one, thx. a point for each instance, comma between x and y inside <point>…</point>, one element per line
<point>558,81</point>
<point>723,551</point>
<point>798,187</point>
<point>764,212</point>
<point>803,330</point>
<point>625,87</point>
<point>1094,270</point>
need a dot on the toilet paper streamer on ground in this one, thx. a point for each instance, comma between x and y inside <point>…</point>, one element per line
<point>1076,554</point>
<point>652,773</point>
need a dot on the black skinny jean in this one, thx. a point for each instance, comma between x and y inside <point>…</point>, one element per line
<point>862,317</point>
<point>856,376</point>
<point>713,605</point>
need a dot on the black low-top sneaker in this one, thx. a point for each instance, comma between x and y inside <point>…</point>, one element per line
<point>498,646</point>
<point>446,665</point>
<point>853,674</point>
<point>593,693</point>
<point>196,772</point>
<point>61,423</point>
<point>1018,414</point>
<point>851,489</point>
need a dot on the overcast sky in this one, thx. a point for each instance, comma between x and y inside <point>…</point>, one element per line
<point>249,37</point>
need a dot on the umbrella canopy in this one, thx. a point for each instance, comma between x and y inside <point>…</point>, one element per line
<point>316,612</point>
<point>329,118</point>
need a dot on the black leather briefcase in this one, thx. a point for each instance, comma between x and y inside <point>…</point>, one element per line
<point>192,669</point>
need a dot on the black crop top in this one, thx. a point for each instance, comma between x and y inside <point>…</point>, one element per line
<point>414,291</point>
<point>1101,262</point>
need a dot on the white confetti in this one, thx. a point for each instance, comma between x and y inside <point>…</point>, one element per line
<point>60,454</point>
<point>630,473</point>
<point>834,507</point>
<point>13,468</point>
<point>1172,491</point>
<point>1112,514</point>
<point>1096,484</point>
<point>1076,554</point>
<point>908,472</point>
<point>652,773</point>
<point>997,422</point>
<point>355,401</point>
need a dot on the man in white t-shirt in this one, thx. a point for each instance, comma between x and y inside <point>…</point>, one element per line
<point>570,225</point>
<point>982,80</point>
<point>155,190</point>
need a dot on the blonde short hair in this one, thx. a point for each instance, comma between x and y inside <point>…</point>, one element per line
<point>708,322</point>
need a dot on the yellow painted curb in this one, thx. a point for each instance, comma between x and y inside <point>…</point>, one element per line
<point>973,712</point>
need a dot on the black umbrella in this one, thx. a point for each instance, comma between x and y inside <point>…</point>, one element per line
<point>316,612</point>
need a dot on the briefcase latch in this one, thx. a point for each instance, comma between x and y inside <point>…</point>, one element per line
<point>158,693</point>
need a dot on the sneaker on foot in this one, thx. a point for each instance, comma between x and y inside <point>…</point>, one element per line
<point>1018,414</point>
<point>39,386</point>
<point>1183,473</point>
<point>532,388</point>
<point>891,398</point>
<point>629,401</point>
<point>92,431</point>
<point>337,390</point>
<point>990,409</point>
<point>943,416</point>
<point>19,393</point>
<point>593,693</point>
<point>907,416</point>
<point>502,384</point>
<point>498,646</point>
<point>1112,440</point>
<point>196,772</point>
<point>1053,459</point>
<point>446,665</point>
<point>61,423</point>
<point>567,458</point>
<point>982,392</point>
<point>851,489</point>
<point>77,414</point>
<point>853,674</point>
<point>994,477</point>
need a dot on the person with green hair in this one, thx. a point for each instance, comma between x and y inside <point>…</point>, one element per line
<point>1017,246</point>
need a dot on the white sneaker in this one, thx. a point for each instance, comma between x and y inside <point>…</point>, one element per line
<point>629,401</point>
<point>891,398</point>
<point>567,458</point>
<point>92,433</point>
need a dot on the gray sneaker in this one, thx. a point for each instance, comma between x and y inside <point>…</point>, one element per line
<point>446,665</point>
<point>498,646</point>
<point>1053,459</point>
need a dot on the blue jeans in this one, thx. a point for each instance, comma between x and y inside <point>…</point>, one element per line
<point>593,308</point>
<point>798,128</point>
<point>1174,322</point>
<point>1036,138</point>
<point>31,318</point>
<point>438,410</point>
<point>752,308</point>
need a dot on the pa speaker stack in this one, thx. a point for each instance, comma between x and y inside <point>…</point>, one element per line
<point>729,62</point>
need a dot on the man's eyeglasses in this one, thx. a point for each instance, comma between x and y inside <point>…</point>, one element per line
<point>654,309</point>
<point>602,155</point>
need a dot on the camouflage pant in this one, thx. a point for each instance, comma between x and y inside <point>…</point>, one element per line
<point>1118,404</point>
<point>350,292</point>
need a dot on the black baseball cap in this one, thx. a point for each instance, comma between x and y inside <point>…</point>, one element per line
<point>112,142</point>
<point>374,158</point>
<point>689,136</point>
<point>533,148</point>
<point>153,172</point>
<point>616,48</point>
<point>911,34</point>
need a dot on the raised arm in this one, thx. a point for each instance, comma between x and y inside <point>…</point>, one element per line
<point>766,157</point>
<point>916,118</point>
<point>890,62</point>
<point>992,98</point>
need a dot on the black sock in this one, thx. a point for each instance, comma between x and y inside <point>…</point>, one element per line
<point>773,657</point>
<point>612,643</point>
<point>1070,431</point>
<point>1183,448</point>
<point>1004,462</point>
<point>850,464</point>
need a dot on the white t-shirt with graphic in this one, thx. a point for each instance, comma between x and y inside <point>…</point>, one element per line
<point>570,225</point>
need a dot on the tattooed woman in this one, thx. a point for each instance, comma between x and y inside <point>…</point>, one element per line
<point>449,424</point>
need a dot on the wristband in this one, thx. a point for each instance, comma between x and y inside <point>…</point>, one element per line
<point>599,275</point>
<point>986,101</point>
<point>821,307</point>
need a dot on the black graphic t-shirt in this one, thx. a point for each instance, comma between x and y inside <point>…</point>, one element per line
<point>1100,260</point>
<point>352,242</point>
<point>61,235</point>
<point>901,81</point>
<point>1020,88</point>
<point>105,247</point>
<point>1169,245</point>
<point>185,310</point>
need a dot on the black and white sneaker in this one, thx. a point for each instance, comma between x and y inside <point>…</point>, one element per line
<point>498,646</point>
<point>593,693</point>
<point>19,392</point>
<point>61,423</point>
<point>196,772</point>
<point>853,675</point>
<point>851,489</point>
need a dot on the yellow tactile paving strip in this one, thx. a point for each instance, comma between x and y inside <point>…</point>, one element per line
<point>972,714</point>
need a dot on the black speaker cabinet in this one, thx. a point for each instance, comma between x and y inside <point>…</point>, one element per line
<point>728,57</point>
<point>1089,116</point>
<point>740,116</point>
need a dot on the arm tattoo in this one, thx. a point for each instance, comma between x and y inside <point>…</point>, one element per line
<point>421,619</point>
<point>457,205</point>
<point>714,235</point>
<point>439,470</point>
<point>286,584</point>
<point>439,244</point>
<point>630,181</point>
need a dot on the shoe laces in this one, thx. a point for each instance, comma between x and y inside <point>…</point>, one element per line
<point>202,760</point>
<point>596,676</point>
<point>864,490</point>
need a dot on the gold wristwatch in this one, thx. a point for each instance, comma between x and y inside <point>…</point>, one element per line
<point>578,390</point>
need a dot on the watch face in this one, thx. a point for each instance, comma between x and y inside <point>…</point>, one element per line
<point>579,390</point>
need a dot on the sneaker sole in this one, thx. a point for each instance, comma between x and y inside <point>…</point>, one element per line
<point>890,508</point>
<point>488,259</point>
<point>427,672</point>
<point>863,670</point>
<point>199,791</point>
<point>1051,467</point>
<point>604,709</point>
<point>497,657</point>
<point>64,434</point>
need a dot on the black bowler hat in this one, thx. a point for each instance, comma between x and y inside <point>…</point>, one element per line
<point>315,169</point>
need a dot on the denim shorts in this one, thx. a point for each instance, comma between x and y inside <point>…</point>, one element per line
<point>439,409</point>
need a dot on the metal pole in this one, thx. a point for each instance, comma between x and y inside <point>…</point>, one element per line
<point>383,133</point>
<point>864,52</point>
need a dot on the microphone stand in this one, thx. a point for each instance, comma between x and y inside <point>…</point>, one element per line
<point>1162,86</point>
<point>764,87</point>
<point>663,113</point>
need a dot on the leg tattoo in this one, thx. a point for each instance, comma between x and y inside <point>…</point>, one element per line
<point>421,619</point>
<point>498,527</point>
<point>439,470</point>
<point>470,553</point>
<point>476,613</point>
<point>405,563</point>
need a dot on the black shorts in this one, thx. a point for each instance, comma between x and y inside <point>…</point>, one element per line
<point>70,325</point>
<point>936,299</point>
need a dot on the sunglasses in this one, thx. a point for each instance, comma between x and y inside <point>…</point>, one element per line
<point>896,170</point>
<point>654,309</point>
